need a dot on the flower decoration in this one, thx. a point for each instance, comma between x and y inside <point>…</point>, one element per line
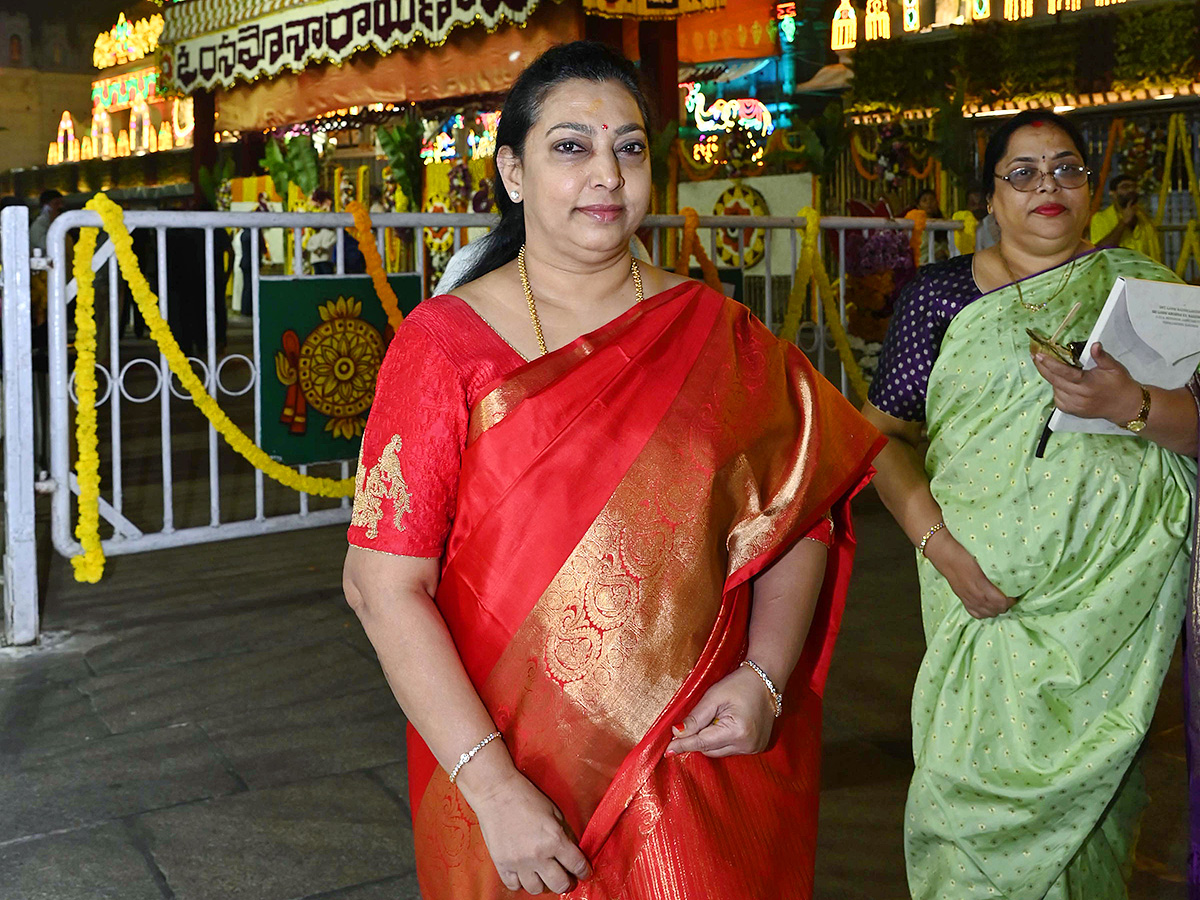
<point>460,187</point>
<point>90,565</point>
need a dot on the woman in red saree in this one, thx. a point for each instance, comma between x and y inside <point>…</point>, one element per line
<point>592,596</point>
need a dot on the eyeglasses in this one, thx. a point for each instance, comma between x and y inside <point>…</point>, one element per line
<point>1066,176</point>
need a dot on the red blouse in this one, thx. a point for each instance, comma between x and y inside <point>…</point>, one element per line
<point>442,358</point>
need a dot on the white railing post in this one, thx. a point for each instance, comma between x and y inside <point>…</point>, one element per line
<point>20,540</point>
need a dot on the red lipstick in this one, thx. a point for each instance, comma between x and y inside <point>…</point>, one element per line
<point>1050,209</point>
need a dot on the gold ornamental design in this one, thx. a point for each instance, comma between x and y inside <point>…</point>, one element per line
<point>741,247</point>
<point>333,370</point>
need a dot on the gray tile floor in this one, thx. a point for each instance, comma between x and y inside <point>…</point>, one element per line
<point>210,724</point>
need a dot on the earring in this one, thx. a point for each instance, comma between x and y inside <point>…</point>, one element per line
<point>515,195</point>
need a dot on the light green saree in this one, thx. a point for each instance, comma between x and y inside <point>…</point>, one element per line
<point>1026,726</point>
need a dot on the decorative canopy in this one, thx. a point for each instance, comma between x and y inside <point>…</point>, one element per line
<point>221,42</point>
<point>474,63</point>
<point>648,9</point>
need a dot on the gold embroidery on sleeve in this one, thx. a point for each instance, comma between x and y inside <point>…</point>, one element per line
<point>383,481</point>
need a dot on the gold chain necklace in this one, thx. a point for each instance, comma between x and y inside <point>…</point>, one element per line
<point>533,315</point>
<point>1036,307</point>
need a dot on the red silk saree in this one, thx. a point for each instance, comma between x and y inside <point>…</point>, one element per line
<point>615,498</point>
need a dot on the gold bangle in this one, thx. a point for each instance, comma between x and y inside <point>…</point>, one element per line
<point>776,696</point>
<point>930,533</point>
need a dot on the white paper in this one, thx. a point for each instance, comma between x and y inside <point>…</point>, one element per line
<point>1150,327</point>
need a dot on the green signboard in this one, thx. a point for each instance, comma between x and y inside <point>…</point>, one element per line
<point>321,341</point>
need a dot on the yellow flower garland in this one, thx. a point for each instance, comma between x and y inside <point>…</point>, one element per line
<point>90,566</point>
<point>366,243</point>
<point>917,217</point>
<point>811,269</point>
<point>691,246</point>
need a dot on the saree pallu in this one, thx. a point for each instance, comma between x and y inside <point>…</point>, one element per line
<point>616,497</point>
<point>1026,726</point>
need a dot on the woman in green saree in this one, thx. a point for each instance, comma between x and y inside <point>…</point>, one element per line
<point>1052,588</point>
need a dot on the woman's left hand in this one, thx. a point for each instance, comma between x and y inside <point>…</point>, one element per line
<point>733,718</point>
<point>1105,392</point>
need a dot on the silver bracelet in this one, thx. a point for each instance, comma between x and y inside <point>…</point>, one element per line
<point>775,695</point>
<point>470,754</point>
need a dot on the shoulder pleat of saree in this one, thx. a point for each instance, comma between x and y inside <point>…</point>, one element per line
<point>616,498</point>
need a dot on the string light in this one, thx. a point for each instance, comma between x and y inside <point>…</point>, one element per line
<point>1018,9</point>
<point>785,13</point>
<point>123,91</point>
<point>878,21</point>
<point>125,42</point>
<point>845,27</point>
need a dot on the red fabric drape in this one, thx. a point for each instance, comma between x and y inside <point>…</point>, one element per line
<point>615,500</point>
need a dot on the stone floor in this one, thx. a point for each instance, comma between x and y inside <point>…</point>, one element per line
<point>210,724</point>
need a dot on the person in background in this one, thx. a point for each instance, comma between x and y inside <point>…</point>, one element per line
<point>51,202</point>
<point>1052,588</point>
<point>375,196</point>
<point>927,202</point>
<point>1125,223</point>
<point>987,232</point>
<point>322,241</point>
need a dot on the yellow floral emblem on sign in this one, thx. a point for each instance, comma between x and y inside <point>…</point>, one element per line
<point>335,368</point>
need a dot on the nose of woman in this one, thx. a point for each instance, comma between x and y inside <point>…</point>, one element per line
<point>606,171</point>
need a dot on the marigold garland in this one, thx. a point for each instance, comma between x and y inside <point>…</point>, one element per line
<point>364,234</point>
<point>857,152</point>
<point>918,218</point>
<point>811,269</point>
<point>1114,131</point>
<point>1190,248</point>
<point>691,246</point>
<point>90,566</point>
<point>965,239</point>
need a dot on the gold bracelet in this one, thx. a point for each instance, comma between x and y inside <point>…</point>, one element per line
<point>930,533</point>
<point>776,696</point>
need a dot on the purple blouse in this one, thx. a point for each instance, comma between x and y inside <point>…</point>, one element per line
<point>922,314</point>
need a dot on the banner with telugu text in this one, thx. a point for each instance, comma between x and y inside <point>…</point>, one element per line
<point>322,340</point>
<point>331,31</point>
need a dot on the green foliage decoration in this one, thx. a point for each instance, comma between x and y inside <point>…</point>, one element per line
<point>401,144</point>
<point>293,160</point>
<point>211,179</point>
<point>1156,46</point>
<point>1003,61</point>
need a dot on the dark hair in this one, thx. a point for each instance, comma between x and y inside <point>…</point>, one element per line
<point>11,200</point>
<point>49,196</point>
<point>320,195</point>
<point>586,60</point>
<point>1116,180</point>
<point>930,191</point>
<point>997,145</point>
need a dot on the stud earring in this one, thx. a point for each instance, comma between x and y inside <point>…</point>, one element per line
<point>516,197</point>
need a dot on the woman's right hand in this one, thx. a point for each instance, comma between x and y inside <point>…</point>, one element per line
<point>528,838</point>
<point>979,596</point>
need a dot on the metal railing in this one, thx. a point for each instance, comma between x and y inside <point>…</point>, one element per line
<point>140,505</point>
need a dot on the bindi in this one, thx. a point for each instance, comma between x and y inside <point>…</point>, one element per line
<point>1037,124</point>
<point>604,127</point>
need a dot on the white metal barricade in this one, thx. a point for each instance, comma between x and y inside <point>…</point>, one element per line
<point>135,526</point>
